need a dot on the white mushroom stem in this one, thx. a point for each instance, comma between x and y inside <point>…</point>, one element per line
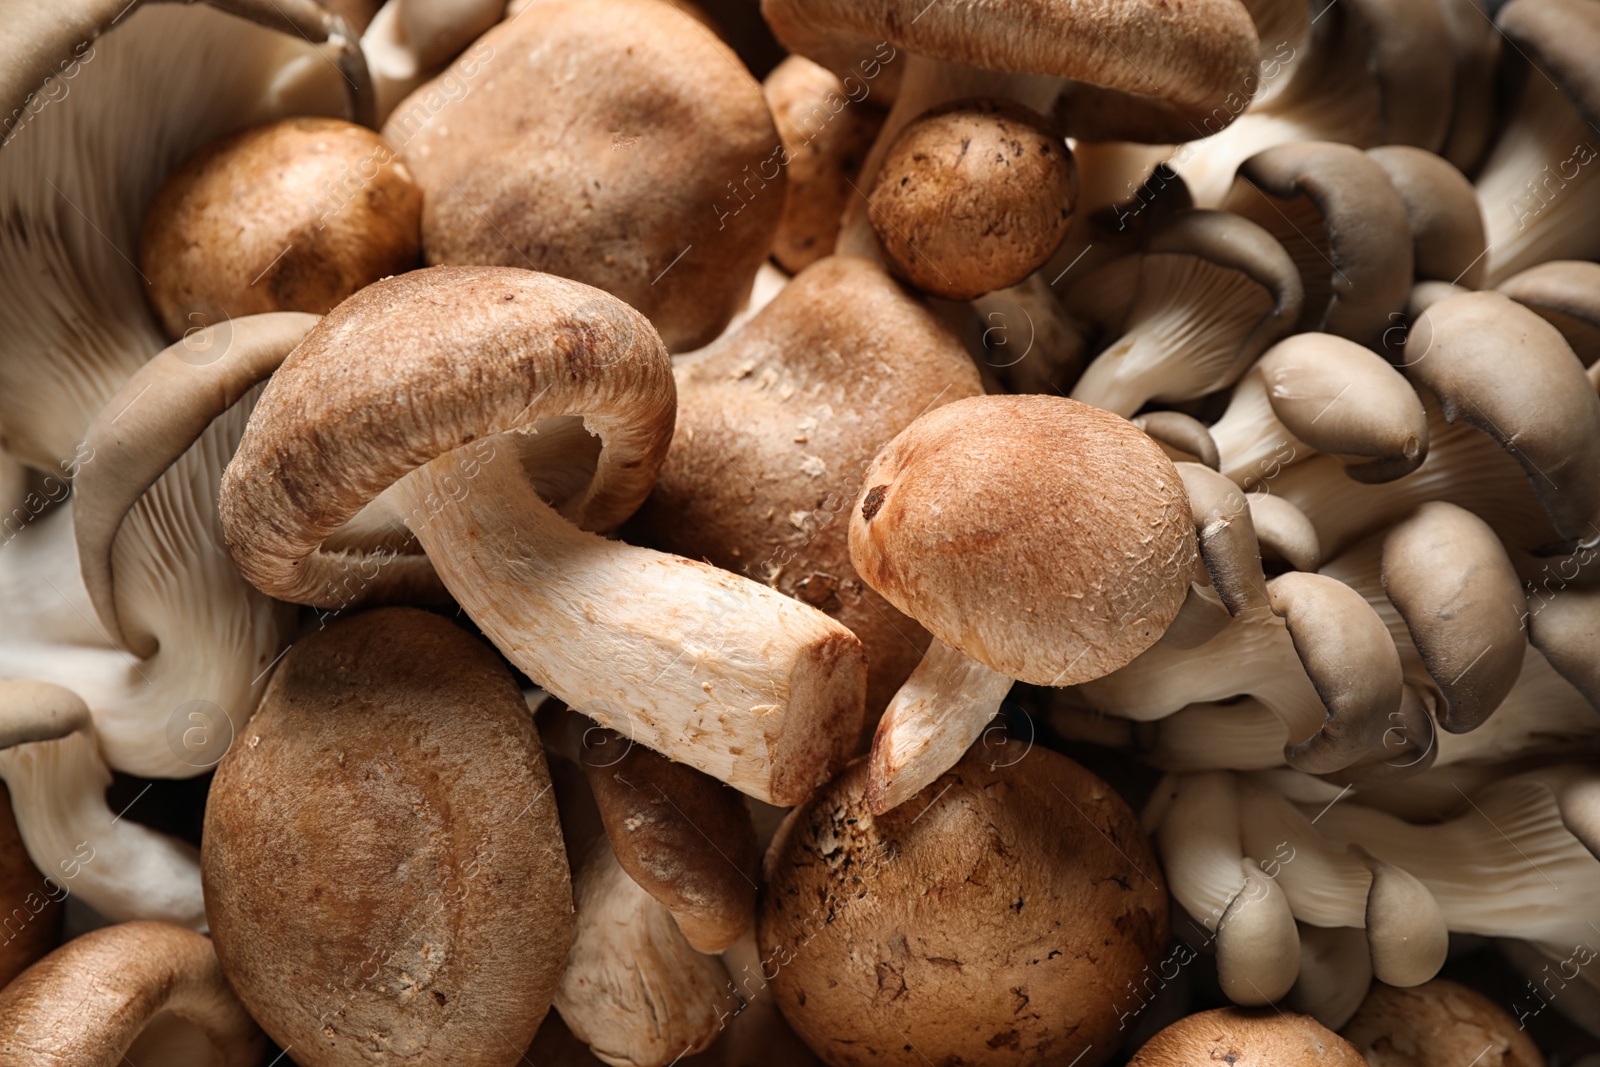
<point>1335,974</point>
<point>932,720</point>
<point>52,766</point>
<point>708,668</point>
<point>634,990</point>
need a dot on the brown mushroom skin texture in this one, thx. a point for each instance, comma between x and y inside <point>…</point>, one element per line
<point>1004,523</point>
<point>383,865</point>
<point>32,920</point>
<point>827,131</point>
<point>656,177</point>
<point>1437,1024</point>
<point>292,216</point>
<point>1244,1037</point>
<point>972,197</point>
<point>964,926</point>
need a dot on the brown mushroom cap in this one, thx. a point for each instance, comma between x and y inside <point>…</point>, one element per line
<point>1244,1037</point>
<point>827,130</point>
<point>292,216</point>
<point>683,836</point>
<point>972,197</point>
<point>1437,1024</point>
<point>1048,540</point>
<point>1447,230</point>
<point>383,865</point>
<point>1566,294</point>
<point>1338,215</point>
<point>776,426</point>
<point>33,923</point>
<point>995,918</point>
<point>88,1001</point>
<point>641,160</point>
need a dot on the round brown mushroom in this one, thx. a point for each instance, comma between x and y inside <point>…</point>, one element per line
<point>1245,1037</point>
<point>973,196</point>
<point>292,216</point>
<point>383,864</point>
<point>1437,1024</point>
<point>998,918</point>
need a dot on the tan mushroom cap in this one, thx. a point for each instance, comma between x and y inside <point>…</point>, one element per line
<point>1566,294</point>
<point>659,817</point>
<point>1189,56</point>
<point>1242,1037</point>
<point>417,366</point>
<point>391,796</point>
<point>1437,1024</point>
<point>1338,215</point>
<point>973,196</point>
<point>827,129</point>
<point>87,1002</point>
<point>993,919</point>
<point>33,926</point>
<point>1048,540</point>
<point>1227,536</point>
<point>776,426</point>
<point>641,160</point>
<point>1181,436</point>
<point>1558,37</point>
<point>1285,532</point>
<point>292,216</point>
<point>1447,228</point>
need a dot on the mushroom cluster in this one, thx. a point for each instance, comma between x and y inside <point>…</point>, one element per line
<point>800,532</point>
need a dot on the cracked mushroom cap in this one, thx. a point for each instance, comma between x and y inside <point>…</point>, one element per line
<point>1333,208</point>
<point>1183,59</point>
<point>1447,230</point>
<point>1566,294</point>
<point>87,1003</point>
<point>1437,1024</point>
<point>972,197</point>
<point>1244,1037</point>
<point>993,919</point>
<point>1047,539</point>
<point>391,796</point>
<point>654,175</point>
<point>292,216</point>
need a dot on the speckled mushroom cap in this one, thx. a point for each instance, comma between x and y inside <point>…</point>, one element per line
<point>383,863</point>
<point>1244,1037</point>
<point>1447,230</point>
<point>292,216</point>
<point>422,365</point>
<point>995,918</point>
<point>1047,539</point>
<point>1437,1024</point>
<point>1188,55</point>
<point>641,160</point>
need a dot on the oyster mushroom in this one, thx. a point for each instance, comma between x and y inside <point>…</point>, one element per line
<point>392,757</point>
<point>122,992</point>
<point>1437,1024</point>
<point>995,919</point>
<point>1247,1038</point>
<point>1448,242</point>
<point>407,41</point>
<point>1566,294</point>
<point>502,411</point>
<point>1036,538</point>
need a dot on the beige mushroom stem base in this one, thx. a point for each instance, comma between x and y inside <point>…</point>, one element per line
<point>86,1003</point>
<point>939,711</point>
<point>708,668</point>
<point>926,84</point>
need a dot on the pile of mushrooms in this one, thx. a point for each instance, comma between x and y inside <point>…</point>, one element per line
<point>810,532</point>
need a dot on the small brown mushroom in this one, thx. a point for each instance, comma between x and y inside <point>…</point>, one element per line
<point>1242,1037</point>
<point>32,926</point>
<point>1437,1024</point>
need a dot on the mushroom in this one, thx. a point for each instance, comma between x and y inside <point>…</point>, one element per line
<point>660,182</point>
<point>1036,538</point>
<point>1474,112</point>
<point>1448,242</point>
<point>1214,290</point>
<point>827,127</point>
<point>1335,974</point>
<point>1182,437</point>
<point>1566,294</point>
<point>995,919</point>
<point>634,989</point>
<point>776,426</point>
<point>292,216</point>
<point>1565,628</point>
<point>973,196</point>
<point>393,757</point>
<point>1334,210</point>
<point>50,761</point>
<point>407,41</point>
<point>74,179</point>
<point>499,413</point>
<point>119,992</point>
<point>1247,1038</point>
<point>1537,187</point>
<point>32,927</point>
<point>686,839</point>
<point>1437,1024</point>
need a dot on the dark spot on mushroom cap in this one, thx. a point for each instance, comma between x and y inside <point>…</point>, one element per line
<point>874,501</point>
